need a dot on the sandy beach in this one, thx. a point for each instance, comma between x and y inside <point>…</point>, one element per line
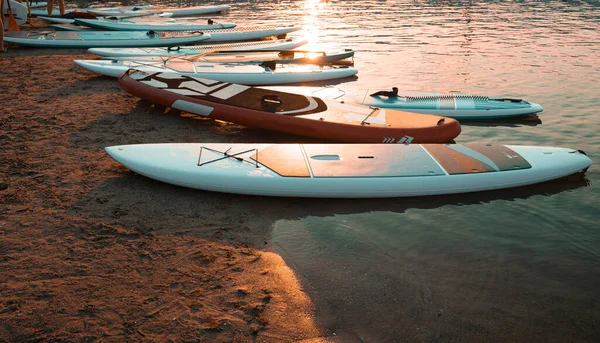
<point>93,252</point>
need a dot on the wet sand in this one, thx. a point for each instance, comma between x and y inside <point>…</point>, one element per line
<point>90,251</point>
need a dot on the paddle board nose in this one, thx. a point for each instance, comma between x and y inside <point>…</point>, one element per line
<point>113,151</point>
<point>536,107</point>
<point>562,161</point>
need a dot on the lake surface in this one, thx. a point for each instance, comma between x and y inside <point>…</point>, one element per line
<point>513,265</point>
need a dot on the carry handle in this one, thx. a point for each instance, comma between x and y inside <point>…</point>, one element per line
<point>270,102</point>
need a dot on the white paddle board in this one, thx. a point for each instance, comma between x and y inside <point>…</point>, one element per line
<point>19,11</point>
<point>245,74</point>
<point>89,39</point>
<point>266,45</point>
<point>349,170</point>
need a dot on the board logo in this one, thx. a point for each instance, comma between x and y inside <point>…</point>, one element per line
<point>192,86</point>
<point>404,139</point>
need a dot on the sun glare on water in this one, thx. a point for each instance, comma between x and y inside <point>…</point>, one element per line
<point>311,23</point>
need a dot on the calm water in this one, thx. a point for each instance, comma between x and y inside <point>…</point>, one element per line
<point>515,265</point>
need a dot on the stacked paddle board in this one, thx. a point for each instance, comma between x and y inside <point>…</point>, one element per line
<point>141,24</point>
<point>287,112</point>
<point>285,56</point>
<point>41,11</point>
<point>175,11</point>
<point>90,39</point>
<point>247,74</point>
<point>121,11</point>
<point>219,36</point>
<point>349,170</point>
<point>266,45</point>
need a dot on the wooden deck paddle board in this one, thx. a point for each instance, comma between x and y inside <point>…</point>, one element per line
<point>288,112</point>
<point>349,170</point>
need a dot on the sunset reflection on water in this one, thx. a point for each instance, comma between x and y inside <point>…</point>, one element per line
<point>311,23</point>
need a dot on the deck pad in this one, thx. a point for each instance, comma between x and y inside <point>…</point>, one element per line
<point>236,95</point>
<point>476,158</point>
<point>335,160</point>
<point>285,160</point>
<point>382,160</point>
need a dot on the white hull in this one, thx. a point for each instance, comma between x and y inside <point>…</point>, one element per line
<point>175,11</point>
<point>142,24</point>
<point>235,73</point>
<point>281,44</point>
<point>178,164</point>
<point>91,39</point>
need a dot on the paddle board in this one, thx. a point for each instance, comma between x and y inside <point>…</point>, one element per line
<point>141,24</point>
<point>176,11</point>
<point>43,11</point>
<point>288,112</point>
<point>38,4</point>
<point>349,170</point>
<point>453,105</point>
<point>218,36</point>
<point>265,45</point>
<point>89,39</point>
<point>70,18</point>
<point>339,57</point>
<point>71,27</point>
<point>247,74</point>
<point>19,11</point>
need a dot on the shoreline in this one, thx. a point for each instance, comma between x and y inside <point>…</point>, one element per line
<point>92,251</point>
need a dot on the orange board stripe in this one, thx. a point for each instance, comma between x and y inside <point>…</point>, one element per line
<point>455,162</point>
<point>284,159</point>
<point>505,158</point>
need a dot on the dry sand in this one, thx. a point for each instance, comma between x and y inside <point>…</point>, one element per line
<point>90,251</point>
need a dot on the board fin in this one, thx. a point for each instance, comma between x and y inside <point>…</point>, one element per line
<point>393,93</point>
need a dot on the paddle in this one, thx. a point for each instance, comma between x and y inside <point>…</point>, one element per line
<point>28,8</point>
<point>163,14</point>
<point>2,48</point>
<point>12,22</point>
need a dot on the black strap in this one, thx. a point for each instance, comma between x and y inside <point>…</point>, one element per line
<point>393,93</point>
<point>269,64</point>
